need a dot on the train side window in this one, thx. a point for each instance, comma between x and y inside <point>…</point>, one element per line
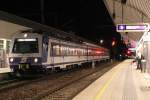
<point>85,52</point>
<point>82,52</point>
<point>89,52</point>
<point>76,51</point>
<point>69,51</point>
<point>63,50</point>
<point>56,50</point>
<point>73,51</point>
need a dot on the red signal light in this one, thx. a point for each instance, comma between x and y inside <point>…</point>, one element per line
<point>113,43</point>
<point>129,52</point>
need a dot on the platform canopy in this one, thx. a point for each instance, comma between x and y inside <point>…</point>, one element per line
<point>129,12</point>
<point>11,24</point>
<point>7,29</point>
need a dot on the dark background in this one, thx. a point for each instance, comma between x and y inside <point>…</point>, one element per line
<point>86,18</point>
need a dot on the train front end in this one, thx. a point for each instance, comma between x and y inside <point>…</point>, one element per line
<point>25,53</point>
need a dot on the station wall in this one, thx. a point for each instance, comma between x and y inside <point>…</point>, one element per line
<point>4,52</point>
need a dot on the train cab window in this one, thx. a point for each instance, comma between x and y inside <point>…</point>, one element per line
<point>25,46</point>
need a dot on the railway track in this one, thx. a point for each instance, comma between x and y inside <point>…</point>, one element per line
<point>14,83</point>
<point>72,88</point>
<point>4,82</point>
<point>50,86</point>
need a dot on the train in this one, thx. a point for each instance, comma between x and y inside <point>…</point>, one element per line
<point>37,52</point>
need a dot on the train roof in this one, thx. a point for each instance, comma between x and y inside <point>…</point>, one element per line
<point>66,40</point>
<point>23,24</point>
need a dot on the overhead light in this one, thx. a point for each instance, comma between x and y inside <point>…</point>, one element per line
<point>21,40</point>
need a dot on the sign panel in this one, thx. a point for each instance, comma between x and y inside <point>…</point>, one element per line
<point>140,27</point>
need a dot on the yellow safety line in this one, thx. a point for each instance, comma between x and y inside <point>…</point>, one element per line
<point>106,84</point>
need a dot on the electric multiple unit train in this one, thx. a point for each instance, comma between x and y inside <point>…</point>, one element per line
<point>34,52</point>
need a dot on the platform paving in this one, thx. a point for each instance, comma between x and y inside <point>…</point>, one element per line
<point>5,70</point>
<point>123,82</point>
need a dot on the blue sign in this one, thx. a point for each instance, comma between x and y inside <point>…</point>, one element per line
<point>141,27</point>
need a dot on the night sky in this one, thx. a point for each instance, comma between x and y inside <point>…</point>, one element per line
<point>86,18</point>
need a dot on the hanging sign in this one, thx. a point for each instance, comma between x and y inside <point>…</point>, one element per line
<point>138,27</point>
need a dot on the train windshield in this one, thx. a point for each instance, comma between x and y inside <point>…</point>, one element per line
<point>25,46</point>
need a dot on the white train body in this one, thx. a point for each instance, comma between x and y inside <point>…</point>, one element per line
<point>32,51</point>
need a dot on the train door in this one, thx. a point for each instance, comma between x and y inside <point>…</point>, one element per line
<point>52,55</point>
<point>45,49</point>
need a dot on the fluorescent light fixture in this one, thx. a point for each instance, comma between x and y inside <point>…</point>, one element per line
<point>136,27</point>
<point>21,40</point>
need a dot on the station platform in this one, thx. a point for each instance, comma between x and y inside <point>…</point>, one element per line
<point>123,82</point>
<point>5,70</point>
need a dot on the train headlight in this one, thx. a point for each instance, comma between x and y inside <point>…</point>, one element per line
<point>25,35</point>
<point>35,60</point>
<point>11,59</point>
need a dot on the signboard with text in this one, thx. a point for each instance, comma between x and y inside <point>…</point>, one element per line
<point>138,27</point>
